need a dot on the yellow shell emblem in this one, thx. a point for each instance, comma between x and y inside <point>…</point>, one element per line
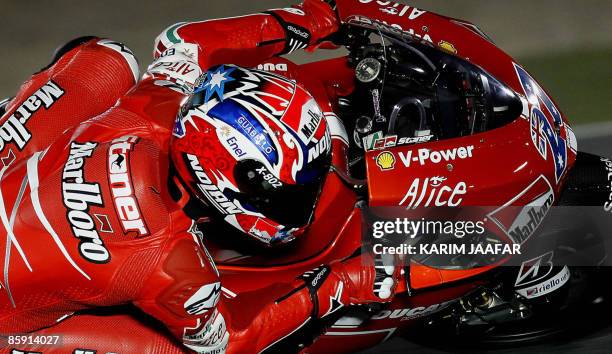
<point>447,47</point>
<point>386,161</point>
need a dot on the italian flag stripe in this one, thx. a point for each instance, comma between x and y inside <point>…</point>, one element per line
<point>172,35</point>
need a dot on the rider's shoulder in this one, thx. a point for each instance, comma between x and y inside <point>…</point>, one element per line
<point>128,174</point>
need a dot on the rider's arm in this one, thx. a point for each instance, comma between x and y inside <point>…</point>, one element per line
<point>248,40</point>
<point>288,317</point>
<point>183,294</point>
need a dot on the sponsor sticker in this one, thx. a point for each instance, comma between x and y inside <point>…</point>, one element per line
<point>121,185</point>
<point>380,143</point>
<point>397,9</point>
<point>447,47</point>
<point>211,335</point>
<point>203,300</point>
<point>321,147</point>
<point>185,50</point>
<point>385,161</point>
<point>417,35</point>
<point>215,197</point>
<point>299,32</point>
<point>78,196</point>
<point>294,11</point>
<point>411,312</point>
<point>84,351</point>
<point>520,217</point>
<point>310,120</point>
<point>433,191</point>
<point>236,150</point>
<point>183,73</point>
<point>535,270</point>
<point>126,53</point>
<point>547,286</point>
<point>424,157</point>
<point>368,141</point>
<point>269,233</point>
<point>14,129</point>
<point>273,67</point>
<point>254,132</point>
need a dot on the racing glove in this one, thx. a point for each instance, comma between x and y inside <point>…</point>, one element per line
<point>306,24</point>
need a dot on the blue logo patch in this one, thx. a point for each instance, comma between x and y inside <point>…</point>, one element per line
<point>243,121</point>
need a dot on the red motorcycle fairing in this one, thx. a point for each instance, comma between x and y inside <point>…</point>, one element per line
<point>354,332</point>
<point>472,170</point>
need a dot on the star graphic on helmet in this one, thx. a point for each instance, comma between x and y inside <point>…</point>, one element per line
<point>215,82</point>
<point>225,132</point>
<point>560,160</point>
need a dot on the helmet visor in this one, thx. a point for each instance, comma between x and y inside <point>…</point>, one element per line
<point>291,205</point>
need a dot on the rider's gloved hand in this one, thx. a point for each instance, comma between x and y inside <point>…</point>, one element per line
<point>306,24</point>
<point>369,279</point>
<point>324,18</point>
<point>360,280</point>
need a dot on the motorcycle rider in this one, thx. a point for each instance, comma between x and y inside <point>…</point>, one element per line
<point>106,212</point>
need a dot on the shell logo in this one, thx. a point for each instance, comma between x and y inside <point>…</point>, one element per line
<point>386,161</point>
<point>447,47</point>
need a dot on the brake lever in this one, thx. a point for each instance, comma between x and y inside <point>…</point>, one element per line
<point>346,36</point>
<point>351,182</point>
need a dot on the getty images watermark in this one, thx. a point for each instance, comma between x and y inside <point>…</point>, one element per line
<point>470,237</point>
<point>406,230</point>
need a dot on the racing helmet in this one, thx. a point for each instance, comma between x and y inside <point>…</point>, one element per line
<point>254,148</point>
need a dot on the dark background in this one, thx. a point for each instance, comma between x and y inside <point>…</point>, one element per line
<point>566,44</point>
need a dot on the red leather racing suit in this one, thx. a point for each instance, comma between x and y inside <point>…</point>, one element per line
<point>92,216</point>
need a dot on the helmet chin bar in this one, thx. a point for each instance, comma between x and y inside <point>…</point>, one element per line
<point>192,206</point>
